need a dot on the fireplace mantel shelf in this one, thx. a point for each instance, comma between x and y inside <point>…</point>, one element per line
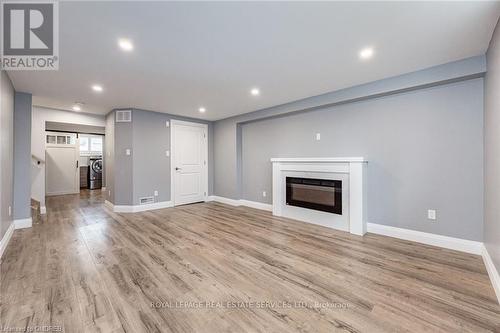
<point>321,159</point>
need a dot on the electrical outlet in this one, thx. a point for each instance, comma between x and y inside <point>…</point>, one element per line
<point>264,194</point>
<point>431,214</point>
<point>127,152</point>
<point>167,153</point>
<point>156,193</point>
<point>318,136</point>
<point>167,124</point>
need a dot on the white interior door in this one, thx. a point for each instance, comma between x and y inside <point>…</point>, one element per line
<point>189,162</point>
<point>61,168</point>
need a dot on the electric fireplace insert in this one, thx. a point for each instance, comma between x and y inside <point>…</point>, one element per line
<point>318,194</point>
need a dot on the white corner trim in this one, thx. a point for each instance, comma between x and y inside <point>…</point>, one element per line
<point>451,243</point>
<point>492,272</point>
<point>23,223</point>
<point>43,210</point>
<point>138,208</point>
<point>256,205</point>
<point>6,238</point>
<point>241,202</point>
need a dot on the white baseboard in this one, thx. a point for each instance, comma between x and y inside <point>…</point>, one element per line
<point>6,238</point>
<point>43,210</point>
<point>227,201</point>
<point>492,272</point>
<point>446,242</point>
<point>256,205</point>
<point>23,223</point>
<point>137,208</point>
<point>241,202</point>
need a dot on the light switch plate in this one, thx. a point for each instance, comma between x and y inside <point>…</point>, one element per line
<point>431,214</point>
<point>127,151</point>
<point>318,136</point>
<point>167,124</point>
<point>264,194</point>
<point>156,193</point>
<point>167,153</point>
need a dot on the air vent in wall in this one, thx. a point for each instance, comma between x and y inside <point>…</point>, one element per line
<point>124,116</point>
<point>146,200</point>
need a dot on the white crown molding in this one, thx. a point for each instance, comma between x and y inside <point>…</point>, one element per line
<point>6,238</point>
<point>137,208</point>
<point>23,223</point>
<point>492,272</point>
<point>458,244</point>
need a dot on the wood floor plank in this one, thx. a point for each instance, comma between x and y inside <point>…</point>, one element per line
<point>210,267</point>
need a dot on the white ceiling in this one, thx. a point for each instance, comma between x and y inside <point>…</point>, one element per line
<point>194,54</point>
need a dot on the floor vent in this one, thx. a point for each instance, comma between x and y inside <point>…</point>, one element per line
<point>146,200</point>
<point>124,116</point>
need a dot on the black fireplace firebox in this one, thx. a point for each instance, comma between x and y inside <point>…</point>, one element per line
<point>318,194</point>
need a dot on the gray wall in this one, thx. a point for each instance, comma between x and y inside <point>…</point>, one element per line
<point>424,149</point>
<point>151,165</point>
<point>378,119</point>
<point>22,156</point>
<point>147,168</point>
<point>492,150</point>
<point>123,164</point>
<point>6,151</point>
<point>109,157</point>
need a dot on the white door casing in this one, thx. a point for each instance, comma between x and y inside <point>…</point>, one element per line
<point>189,162</point>
<point>62,170</point>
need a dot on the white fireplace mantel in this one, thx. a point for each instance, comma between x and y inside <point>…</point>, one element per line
<point>352,171</point>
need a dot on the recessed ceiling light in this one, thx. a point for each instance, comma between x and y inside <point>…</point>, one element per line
<point>255,92</point>
<point>76,107</point>
<point>125,44</point>
<point>366,53</point>
<point>202,110</point>
<point>97,88</point>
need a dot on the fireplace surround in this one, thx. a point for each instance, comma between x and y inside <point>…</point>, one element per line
<point>327,191</point>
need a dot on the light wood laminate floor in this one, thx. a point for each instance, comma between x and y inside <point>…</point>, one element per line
<point>210,267</point>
